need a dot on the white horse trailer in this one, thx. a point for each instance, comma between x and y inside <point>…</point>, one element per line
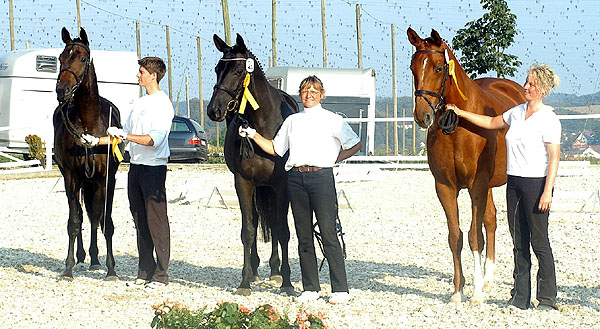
<point>349,92</point>
<point>28,95</point>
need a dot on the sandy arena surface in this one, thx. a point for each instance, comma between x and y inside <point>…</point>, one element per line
<point>399,264</point>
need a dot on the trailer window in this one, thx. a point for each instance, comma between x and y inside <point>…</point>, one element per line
<point>45,63</point>
<point>276,82</point>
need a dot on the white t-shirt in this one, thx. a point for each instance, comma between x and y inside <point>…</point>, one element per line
<point>151,115</point>
<point>527,155</point>
<point>314,137</point>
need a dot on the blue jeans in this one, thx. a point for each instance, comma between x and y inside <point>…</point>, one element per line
<point>528,226</point>
<point>315,192</point>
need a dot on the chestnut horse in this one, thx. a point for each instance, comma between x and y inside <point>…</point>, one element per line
<point>470,157</point>
<point>260,179</point>
<point>82,110</point>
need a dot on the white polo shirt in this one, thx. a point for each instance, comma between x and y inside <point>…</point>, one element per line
<point>314,137</point>
<point>151,115</point>
<point>527,155</point>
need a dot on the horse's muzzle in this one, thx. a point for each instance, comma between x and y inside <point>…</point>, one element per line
<point>63,93</point>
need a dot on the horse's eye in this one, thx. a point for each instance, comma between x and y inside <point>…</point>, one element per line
<point>240,71</point>
<point>438,69</point>
<point>83,59</point>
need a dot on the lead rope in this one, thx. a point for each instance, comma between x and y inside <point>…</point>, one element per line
<point>107,164</point>
<point>246,147</point>
<point>89,173</point>
<point>338,231</point>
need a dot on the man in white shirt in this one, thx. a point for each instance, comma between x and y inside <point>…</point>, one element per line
<point>147,130</point>
<point>316,139</point>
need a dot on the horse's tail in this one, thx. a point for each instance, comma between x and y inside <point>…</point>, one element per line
<point>265,205</point>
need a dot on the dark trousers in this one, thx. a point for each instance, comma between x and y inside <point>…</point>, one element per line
<point>315,192</point>
<point>528,226</point>
<point>148,205</point>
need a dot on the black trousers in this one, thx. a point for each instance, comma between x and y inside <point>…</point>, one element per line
<point>528,226</point>
<point>148,205</point>
<point>315,192</point>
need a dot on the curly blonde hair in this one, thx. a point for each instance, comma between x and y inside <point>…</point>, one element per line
<point>544,77</point>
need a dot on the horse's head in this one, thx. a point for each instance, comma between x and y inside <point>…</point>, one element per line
<point>231,71</point>
<point>429,66</point>
<point>74,65</point>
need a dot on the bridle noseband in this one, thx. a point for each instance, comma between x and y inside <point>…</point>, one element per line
<point>235,95</point>
<point>440,94</point>
<point>78,80</point>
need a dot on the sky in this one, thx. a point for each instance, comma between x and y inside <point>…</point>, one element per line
<point>563,33</point>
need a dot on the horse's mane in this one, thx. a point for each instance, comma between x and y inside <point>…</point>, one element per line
<point>77,40</point>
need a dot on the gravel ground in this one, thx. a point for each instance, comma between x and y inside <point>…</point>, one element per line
<point>399,264</point>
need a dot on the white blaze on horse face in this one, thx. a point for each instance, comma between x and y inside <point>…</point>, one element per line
<point>424,67</point>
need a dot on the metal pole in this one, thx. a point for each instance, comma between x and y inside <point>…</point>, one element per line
<point>394,97</point>
<point>387,129</point>
<point>403,131</point>
<point>359,37</point>
<point>324,29</point>
<point>169,68</point>
<point>139,47</point>
<point>274,31</point>
<point>201,101</point>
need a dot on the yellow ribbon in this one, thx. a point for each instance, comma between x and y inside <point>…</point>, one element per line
<point>114,141</point>
<point>453,75</point>
<point>247,96</point>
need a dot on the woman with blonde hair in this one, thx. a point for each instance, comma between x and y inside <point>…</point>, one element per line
<point>533,152</point>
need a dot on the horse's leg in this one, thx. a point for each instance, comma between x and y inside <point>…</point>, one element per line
<point>72,186</point>
<point>254,258</point>
<point>109,228</point>
<point>281,235</point>
<point>479,195</point>
<point>447,196</point>
<point>90,191</point>
<point>80,253</point>
<point>244,190</point>
<point>489,221</point>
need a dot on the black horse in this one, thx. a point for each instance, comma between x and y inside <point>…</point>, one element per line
<point>81,110</point>
<point>260,179</point>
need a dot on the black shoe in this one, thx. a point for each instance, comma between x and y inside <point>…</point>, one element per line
<point>544,307</point>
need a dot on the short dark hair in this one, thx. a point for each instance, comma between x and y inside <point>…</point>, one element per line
<point>154,65</point>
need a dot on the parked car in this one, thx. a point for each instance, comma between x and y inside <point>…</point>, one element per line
<point>187,140</point>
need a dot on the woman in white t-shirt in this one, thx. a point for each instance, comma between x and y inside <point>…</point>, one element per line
<point>533,153</point>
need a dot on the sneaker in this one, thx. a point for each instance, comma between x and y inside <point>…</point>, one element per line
<point>339,297</point>
<point>155,285</point>
<point>140,282</point>
<point>308,296</point>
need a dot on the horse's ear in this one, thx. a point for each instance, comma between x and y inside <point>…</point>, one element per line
<point>83,36</point>
<point>435,36</point>
<point>239,41</point>
<point>219,43</point>
<point>413,37</point>
<point>66,36</point>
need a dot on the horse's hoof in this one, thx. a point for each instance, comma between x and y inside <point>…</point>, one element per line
<point>458,297</point>
<point>95,267</point>
<point>243,291</point>
<point>278,279</point>
<point>289,291</point>
<point>111,278</point>
<point>254,278</point>
<point>67,276</point>
<point>477,300</point>
<point>79,267</point>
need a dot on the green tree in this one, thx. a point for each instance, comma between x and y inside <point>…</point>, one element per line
<point>484,41</point>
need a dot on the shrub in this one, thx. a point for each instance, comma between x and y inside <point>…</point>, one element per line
<point>226,315</point>
<point>37,148</point>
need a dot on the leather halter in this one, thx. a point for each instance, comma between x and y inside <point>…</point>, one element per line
<point>440,94</point>
<point>78,80</point>
<point>235,95</point>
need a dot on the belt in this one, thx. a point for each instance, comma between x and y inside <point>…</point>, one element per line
<point>307,168</point>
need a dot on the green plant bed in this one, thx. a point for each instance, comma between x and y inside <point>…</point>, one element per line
<point>171,315</point>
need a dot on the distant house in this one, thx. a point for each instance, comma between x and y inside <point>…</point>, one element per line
<point>583,140</point>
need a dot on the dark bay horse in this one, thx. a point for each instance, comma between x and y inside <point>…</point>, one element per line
<point>470,157</point>
<point>82,110</point>
<point>260,179</point>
